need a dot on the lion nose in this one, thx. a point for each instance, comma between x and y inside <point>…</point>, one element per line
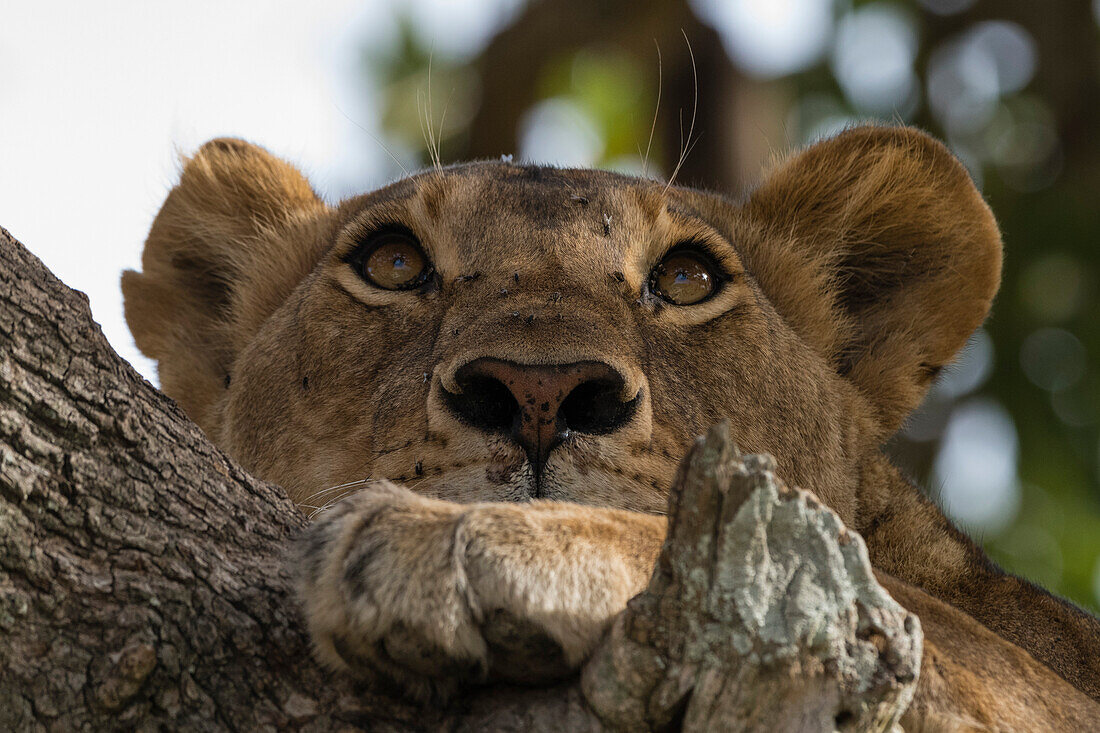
<point>539,406</point>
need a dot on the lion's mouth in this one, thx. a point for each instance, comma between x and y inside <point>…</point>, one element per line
<point>470,467</point>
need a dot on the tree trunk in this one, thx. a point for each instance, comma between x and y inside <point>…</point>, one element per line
<point>143,583</point>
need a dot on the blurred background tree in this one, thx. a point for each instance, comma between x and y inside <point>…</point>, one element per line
<point>1009,439</point>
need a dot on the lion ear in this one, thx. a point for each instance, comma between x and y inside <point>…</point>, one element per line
<point>233,238</point>
<point>880,251</point>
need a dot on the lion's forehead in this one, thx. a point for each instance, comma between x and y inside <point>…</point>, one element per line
<point>498,215</point>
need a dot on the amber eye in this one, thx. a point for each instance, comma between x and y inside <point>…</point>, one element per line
<point>393,260</point>
<point>684,277</point>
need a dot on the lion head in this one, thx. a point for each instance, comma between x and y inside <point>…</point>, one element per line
<point>503,332</point>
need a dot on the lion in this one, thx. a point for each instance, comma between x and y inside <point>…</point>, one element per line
<point>496,367</point>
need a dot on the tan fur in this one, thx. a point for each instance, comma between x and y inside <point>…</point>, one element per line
<point>856,272</point>
<point>233,239</point>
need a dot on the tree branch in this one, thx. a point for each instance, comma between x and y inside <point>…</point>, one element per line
<point>143,582</point>
<point>763,614</point>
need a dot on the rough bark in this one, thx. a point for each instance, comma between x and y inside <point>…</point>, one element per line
<point>143,581</point>
<point>763,614</point>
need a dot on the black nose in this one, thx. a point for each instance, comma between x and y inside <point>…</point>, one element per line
<point>540,405</point>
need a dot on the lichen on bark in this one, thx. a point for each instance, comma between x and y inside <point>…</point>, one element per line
<point>763,614</point>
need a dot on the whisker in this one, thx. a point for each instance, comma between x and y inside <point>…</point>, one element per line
<point>439,136</point>
<point>329,490</point>
<point>425,132</point>
<point>337,493</point>
<point>656,110</point>
<point>685,146</point>
<point>373,137</point>
<point>349,490</point>
<point>349,483</point>
<point>329,504</point>
<point>429,115</point>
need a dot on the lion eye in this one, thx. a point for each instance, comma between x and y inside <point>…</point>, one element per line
<point>393,260</point>
<point>684,277</point>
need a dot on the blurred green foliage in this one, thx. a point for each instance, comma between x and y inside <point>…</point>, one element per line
<point>1014,88</point>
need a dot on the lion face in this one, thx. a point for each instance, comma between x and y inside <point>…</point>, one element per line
<point>534,355</point>
<point>499,332</point>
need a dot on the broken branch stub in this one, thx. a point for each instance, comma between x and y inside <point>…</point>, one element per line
<point>762,614</point>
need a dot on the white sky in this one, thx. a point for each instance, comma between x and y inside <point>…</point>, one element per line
<point>97,98</point>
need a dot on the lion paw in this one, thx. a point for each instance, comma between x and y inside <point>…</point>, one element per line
<point>385,592</point>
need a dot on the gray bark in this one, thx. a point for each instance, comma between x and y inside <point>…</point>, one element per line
<point>763,614</point>
<point>143,582</point>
